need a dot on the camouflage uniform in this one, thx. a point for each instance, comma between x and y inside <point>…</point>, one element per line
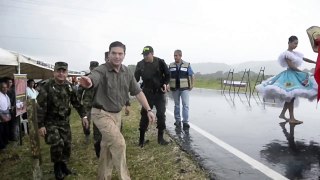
<point>86,98</point>
<point>54,107</point>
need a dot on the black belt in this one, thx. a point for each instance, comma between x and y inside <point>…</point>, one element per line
<point>151,90</point>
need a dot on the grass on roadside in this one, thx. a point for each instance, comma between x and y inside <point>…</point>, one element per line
<point>216,84</point>
<point>208,83</point>
<point>151,162</point>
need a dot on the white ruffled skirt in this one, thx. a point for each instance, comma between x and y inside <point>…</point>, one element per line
<point>287,85</point>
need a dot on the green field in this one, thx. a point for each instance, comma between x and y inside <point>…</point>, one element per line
<point>216,84</point>
<point>151,162</point>
<point>208,83</point>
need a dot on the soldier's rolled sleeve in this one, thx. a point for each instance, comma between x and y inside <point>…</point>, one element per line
<point>80,93</point>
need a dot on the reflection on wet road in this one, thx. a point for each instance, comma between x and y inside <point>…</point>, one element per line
<point>239,137</point>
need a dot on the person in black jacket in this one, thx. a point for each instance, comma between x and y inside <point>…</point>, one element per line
<point>155,76</point>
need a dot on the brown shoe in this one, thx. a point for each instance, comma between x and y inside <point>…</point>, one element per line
<point>295,122</point>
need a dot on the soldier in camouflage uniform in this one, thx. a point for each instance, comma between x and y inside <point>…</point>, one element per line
<point>86,98</point>
<point>54,107</point>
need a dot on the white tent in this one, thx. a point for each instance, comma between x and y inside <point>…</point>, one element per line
<point>7,58</point>
<point>15,63</point>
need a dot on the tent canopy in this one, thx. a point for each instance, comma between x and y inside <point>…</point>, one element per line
<point>14,63</point>
<point>8,58</point>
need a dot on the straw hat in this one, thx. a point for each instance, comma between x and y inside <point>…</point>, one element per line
<point>313,32</point>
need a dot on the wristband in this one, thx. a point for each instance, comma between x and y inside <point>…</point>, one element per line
<point>85,117</point>
<point>149,110</point>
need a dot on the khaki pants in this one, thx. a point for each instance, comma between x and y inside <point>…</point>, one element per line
<point>113,146</point>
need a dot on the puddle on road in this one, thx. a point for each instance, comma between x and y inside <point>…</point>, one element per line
<point>251,126</point>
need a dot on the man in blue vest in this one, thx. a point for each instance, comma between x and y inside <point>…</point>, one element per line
<point>181,82</point>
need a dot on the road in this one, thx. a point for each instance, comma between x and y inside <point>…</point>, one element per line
<point>240,137</point>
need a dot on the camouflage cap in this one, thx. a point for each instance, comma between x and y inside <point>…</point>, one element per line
<point>61,65</point>
<point>94,64</point>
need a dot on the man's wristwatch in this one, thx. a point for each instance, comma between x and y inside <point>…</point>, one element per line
<point>149,110</point>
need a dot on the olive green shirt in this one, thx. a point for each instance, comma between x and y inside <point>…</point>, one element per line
<point>112,88</point>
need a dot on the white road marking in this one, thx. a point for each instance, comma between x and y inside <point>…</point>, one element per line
<point>254,163</point>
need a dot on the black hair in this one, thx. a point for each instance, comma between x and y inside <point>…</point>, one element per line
<point>117,44</point>
<point>29,81</point>
<point>292,38</point>
<point>6,79</point>
<point>3,83</point>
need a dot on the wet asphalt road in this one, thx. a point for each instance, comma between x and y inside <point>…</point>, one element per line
<point>239,137</point>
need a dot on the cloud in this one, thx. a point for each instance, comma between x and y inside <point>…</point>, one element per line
<point>205,30</point>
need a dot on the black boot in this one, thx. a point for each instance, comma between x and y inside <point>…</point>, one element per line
<point>186,126</point>
<point>141,138</point>
<point>65,169</point>
<point>161,141</point>
<point>97,148</point>
<point>58,171</point>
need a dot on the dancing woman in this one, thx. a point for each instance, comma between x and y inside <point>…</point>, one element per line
<point>291,83</point>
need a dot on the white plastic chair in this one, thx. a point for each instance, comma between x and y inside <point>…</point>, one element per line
<point>24,122</point>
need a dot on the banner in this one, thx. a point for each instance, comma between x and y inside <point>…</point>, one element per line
<point>20,84</point>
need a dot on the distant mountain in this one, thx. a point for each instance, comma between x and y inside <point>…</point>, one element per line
<point>271,67</point>
<point>208,68</point>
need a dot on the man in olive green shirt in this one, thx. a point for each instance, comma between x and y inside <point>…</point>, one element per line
<point>112,82</point>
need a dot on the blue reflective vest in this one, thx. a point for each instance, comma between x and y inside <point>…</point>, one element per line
<point>179,78</point>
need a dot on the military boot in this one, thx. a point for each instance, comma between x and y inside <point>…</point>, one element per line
<point>65,169</point>
<point>97,148</point>
<point>161,141</point>
<point>58,171</point>
<point>141,138</point>
<point>186,126</point>
<point>142,141</point>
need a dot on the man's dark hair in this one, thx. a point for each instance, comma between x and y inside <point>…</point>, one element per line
<point>29,81</point>
<point>292,38</point>
<point>3,84</point>
<point>178,51</point>
<point>6,79</point>
<point>117,44</point>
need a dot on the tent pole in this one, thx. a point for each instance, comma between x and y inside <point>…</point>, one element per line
<point>18,59</point>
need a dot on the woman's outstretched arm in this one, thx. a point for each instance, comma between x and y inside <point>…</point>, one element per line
<point>309,60</point>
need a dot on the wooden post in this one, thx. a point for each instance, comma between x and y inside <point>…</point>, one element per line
<point>34,139</point>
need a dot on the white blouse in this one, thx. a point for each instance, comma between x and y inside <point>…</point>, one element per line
<point>294,56</point>
<point>32,93</point>
<point>4,102</point>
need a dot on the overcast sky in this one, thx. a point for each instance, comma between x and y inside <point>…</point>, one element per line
<point>224,31</point>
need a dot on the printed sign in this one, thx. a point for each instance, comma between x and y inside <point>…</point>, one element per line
<point>20,83</point>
